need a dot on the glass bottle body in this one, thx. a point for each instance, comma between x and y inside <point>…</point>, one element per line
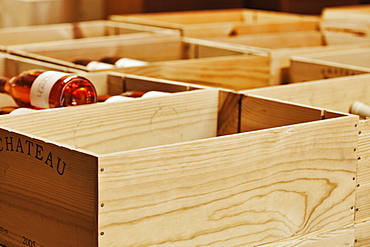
<point>49,89</point>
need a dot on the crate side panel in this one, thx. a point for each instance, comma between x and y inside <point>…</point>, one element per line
<point>258,113</point>
<point>232,190</point>
<point>142,46</point>
<point>335,94</point>
<point>311,69</point>
<point>48,193</point>
<point>235,72</point>
<point>114,127</point>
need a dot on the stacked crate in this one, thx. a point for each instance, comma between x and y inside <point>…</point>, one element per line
<point>215,163</point>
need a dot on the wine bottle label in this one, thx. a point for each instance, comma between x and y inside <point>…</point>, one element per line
<point>41,87</point>
<point>128,62</point>
<point>95,65</point>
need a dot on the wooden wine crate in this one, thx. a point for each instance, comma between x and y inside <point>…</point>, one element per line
<point>338,94</point>
<point>71,30</point>
<point>149,47</point>
<point>280,47</point>
<point>346,24</point>
<point>223,22</point>
<point>155,172</point>
<point>216,65</point>
<point>324,65</point>
<point>11,65</point>
<point>106,83</point>
<point>269,52</point>
<point>40,12</point>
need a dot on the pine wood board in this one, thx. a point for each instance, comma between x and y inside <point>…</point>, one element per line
<point>336,94</point>
<point>362,238</point>
<point>343,237</point>
<point>228,72</point>
<point>323,65</point>
<point>73,30</point>
<point>189,202</point>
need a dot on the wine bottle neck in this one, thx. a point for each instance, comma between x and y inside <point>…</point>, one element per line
<point>4,85</point>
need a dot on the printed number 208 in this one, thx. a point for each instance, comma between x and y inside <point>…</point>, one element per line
<point>28,242</point>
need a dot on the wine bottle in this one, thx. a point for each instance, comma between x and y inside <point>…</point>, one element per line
<point>361,109</point>
<point>123,62</point>
<point>93,65</point>
<point>40,89</point>
<point>152,94</point>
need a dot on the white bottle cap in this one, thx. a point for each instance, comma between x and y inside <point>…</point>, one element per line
<point>360,109</point>
<point>118,98</point>
<point>95,65</point>
<point>152,94</point>
<point>129,62</point>
<point>19,111</point>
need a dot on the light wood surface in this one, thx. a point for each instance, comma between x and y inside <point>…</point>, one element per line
<point>241,196</point>
<point>330,64</point>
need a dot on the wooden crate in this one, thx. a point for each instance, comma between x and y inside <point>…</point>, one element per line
<point>160,50</point>
<point>155,172</point>
<point>346,24</point>
<point>149,47</point>
<point>280,47</point>
<point>106,83</point>
<point>338,94</point>
<point>39,12</point>
<point>324,65</point>
<point>275,49</point>
<point>72,30</point>
<point>11,65</point>
<point>224,22</point>
<point>313,7</point>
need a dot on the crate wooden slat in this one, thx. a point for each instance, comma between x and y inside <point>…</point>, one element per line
<point>336,94</point>
<point>362,234</point>
<point>123,175</point>
<point>206,23</point>
<point>323,65</point>
<point>346,24</point>
<point>231,72</point>
<point>72,30</point>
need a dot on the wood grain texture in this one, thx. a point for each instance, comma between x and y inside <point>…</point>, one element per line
<point>362,234</point>
<point>259,113</point>
<point>228,113</point>
<point>143,46</point>
<point>200,24</point>
<point>185,195</point>
<point>329,64</point>
<point>106,128</point>
<point>343,237</point>
<point>230,72</point>
<point>48,193</point>
<point>336,94</point>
